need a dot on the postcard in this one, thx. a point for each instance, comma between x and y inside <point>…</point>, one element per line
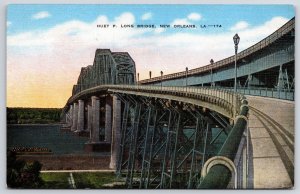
<point>150,96</point>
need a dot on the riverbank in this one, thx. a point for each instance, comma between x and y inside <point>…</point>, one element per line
<point>70,162</point>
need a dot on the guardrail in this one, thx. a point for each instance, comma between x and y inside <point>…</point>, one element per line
<point>222,167</point>
<point>283,94</point>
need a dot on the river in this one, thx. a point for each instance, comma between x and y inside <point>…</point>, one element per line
<point>45,136</point>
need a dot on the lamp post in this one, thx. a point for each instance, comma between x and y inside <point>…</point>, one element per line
<point>211,76</point>
<point>186,78</point>
<point>138,76</point>
<point>236,40</point>
<point>161,74</point>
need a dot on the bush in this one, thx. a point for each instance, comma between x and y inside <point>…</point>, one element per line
<point>21,174</point>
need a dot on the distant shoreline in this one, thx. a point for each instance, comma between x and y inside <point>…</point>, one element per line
<point>35,124</point>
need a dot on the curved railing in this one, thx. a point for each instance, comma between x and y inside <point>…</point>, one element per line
<point>220,173</point>
<point>223,101</point>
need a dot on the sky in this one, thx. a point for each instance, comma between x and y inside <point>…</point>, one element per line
<point>48,44</point>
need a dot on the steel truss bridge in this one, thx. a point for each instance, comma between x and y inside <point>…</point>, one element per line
<point>168,133</point>
<point>165,134</point>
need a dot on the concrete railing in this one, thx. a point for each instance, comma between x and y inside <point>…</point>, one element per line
<point>284,94</point>
<point>221,167</point>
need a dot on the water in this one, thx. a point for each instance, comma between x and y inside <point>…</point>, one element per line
<point>46,136</point>
<point>62,142</point>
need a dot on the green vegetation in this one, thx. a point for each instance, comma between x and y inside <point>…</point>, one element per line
<point>33,115</point>
<point>21,174</point>
<point>83,180</point>
<point>57,180</point>
<point>92,180</point>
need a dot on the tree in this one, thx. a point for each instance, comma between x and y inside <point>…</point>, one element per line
<point>21,174</point>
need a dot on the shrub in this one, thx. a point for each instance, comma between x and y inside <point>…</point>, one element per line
<point>21,174</point>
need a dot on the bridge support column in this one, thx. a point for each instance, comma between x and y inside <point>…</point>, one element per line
<point>108,119</point>
<point>116,132</point>
<point>283,80</point>
<point>89,122</point>
<point>80,124</point>
<point>254,82</point>
<point>75,115</point>
<point>95,119</point>
<point>70,119</point>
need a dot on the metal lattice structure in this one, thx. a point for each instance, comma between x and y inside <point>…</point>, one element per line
<point>165,143</point>
<point>108,68</point>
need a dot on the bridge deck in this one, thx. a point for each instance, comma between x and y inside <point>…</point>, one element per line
<point>271,126</point>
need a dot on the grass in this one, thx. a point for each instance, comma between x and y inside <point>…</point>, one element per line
<point>93,180</point>
<point>83,180</point>
<point>57,180</point>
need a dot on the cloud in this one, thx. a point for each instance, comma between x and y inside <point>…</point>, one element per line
<point>188,20</point>
<point>147,16</point>
<point>50,60</point>
<point>159,30</point>
<point>194,16</point>
<point>41,15</point>
<point>257,33</point>
<point>181,21</point>
<point>125,18</point>
<point>242,25</point>
<point>8,23</point>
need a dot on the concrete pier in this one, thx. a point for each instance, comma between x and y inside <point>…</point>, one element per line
<point>80,124</point>
<point>70,120</point>
<point>116,132</point>
<point>75,116</point>
<point>108,124</point>
<point>95,119</point>
<point>89,119</point>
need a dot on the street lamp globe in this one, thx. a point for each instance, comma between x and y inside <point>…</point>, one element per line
<point>236,40</point>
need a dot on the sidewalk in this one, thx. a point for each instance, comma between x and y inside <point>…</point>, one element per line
<point>273,157</point>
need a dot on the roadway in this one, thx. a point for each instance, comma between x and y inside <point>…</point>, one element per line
<point>271,127</point>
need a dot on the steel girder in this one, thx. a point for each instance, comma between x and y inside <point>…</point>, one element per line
<point>168,142</point>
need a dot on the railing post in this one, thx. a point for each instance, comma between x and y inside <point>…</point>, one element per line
<point>259,89</point>
<point>285,94</point>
